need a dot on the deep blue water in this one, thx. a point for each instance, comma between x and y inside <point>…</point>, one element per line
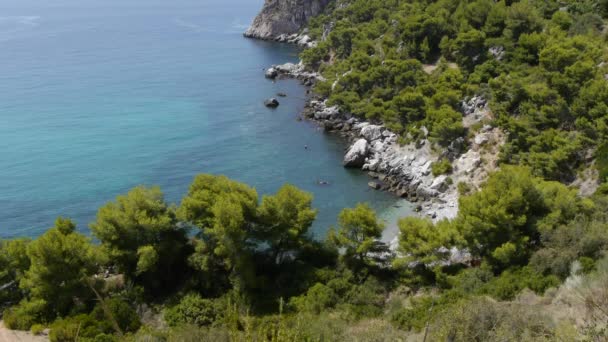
<point>98,96</point>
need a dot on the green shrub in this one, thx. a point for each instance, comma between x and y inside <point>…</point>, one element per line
<point>318,298</point>
<point>120,312</point>
<point>97,325</point>
<point>441,167</point>
<point>37,329</point>
<point>482,319</point>
<point>511,282</point>
<point>72,328</point>
<point>464,188</point>
<point>25,314</point>
<point>193,309</point>
<point>601,162</point>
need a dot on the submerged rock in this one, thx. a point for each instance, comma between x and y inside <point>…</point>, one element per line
<point>355,157</point>
<point>375,185</point>
<point>271,103</point>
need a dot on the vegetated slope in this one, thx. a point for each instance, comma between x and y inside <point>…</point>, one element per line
<point>540,63</point>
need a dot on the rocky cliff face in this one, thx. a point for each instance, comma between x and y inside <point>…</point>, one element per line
<point>280,17</point>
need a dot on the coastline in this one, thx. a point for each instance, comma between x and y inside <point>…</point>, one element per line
<point>405,170</point>
<point>413,196</point>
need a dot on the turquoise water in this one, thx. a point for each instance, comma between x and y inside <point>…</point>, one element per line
<point>98,96</point>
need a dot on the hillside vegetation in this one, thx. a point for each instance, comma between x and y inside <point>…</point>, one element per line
<point>540,63</point>
<point>524,260</point>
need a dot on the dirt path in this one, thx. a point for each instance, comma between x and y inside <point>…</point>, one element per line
<point>7,335</point>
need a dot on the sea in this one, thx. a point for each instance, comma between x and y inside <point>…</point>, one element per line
<point>99,96</point>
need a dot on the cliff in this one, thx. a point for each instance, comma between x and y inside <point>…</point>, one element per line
<point>284,17</point>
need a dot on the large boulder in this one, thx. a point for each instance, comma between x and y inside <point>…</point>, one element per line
<point>372,132</point>
<point>355,157</point>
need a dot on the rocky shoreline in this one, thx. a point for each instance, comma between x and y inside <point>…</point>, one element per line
<point>406,170</point>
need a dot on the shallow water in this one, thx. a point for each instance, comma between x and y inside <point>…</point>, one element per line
<point>99,96</point>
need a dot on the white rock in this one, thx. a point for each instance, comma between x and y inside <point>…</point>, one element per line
<point>355,157</point>
<point>440,183</point>
<point>481,139</point>
<point>372,132</point>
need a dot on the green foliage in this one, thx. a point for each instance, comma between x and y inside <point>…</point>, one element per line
<point>224,211</point>
<point>441,167</point>
<point>14,262</point>
<point>193,309</point>
<point>99,325</point>
<point>285,219</point>
<point>482,319</point>
<point>140,235</point>
<point>358,232</point>
<point>421,241</point>
<point>511,282</point>
<point>61,263</point>
<point>498,222</point>
<point>317,299</point>
<point>547,87</point>
<point>601,162</point>
<point>37,329</point>
<point>24,315</point>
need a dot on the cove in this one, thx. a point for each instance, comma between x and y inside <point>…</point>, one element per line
<point>98,97</point>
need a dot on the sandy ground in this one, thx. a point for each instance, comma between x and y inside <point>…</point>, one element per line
<point>7,335</point>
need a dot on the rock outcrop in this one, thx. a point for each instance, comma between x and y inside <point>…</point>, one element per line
<point>284,17</point>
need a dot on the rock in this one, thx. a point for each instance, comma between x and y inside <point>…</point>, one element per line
<point>372,165</point>
<point>327,113</point>
<point>440,184</point>
<point>481,139</point>
<point>271,73</point>
<point>281,95</point>
<point>425,131</point>
<point>371,132</point>
<point>287,68</point>
<point>498,52</point>
<point>486,128</point>
<point>355,157</point>
<point>473,104</point>
<point>271,103</point>
<point>282,18</point>
<point>375,185</point>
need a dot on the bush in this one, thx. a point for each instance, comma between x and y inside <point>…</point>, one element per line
<point>482,319</point>
<point>25,314</point>
<point>72,328</point>
<point>441,167</point>
<point>37,329</point>
<point>121,312</point>
<point>318,298</point>
<point>194,310</point>
<point>97,325</point>
<point>511,282</point>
